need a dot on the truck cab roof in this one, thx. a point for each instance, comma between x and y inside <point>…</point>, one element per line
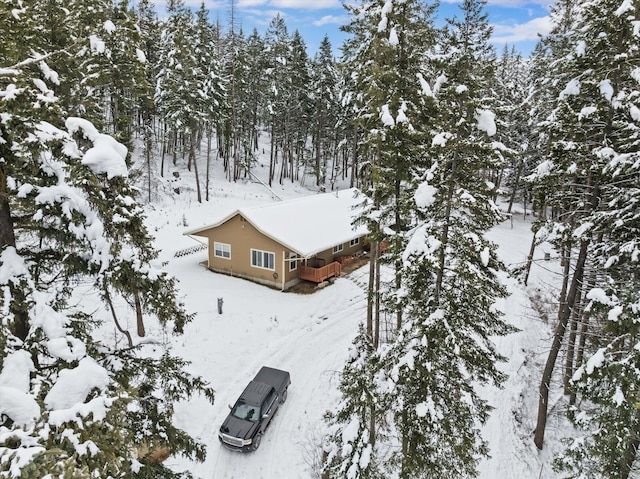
<point>255,393</point>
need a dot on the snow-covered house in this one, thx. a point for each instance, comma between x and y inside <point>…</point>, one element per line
<point>280,244</point>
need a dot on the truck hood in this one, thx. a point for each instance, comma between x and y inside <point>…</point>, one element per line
<point>238,427</point>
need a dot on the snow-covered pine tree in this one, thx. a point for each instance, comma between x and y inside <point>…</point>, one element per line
<point>277,56</point>
<point>569,180</point>
<point>350,445</point>
<point>150,38</point>
<point>185,91</point>
<point>62,26</point>
<point>72,404</point>
<point>597,114</point>
<point>451,283</point>
<point>324,97</point>
<point>512,92</point>
<point>254,90</point>
<point>121,74</point>
<point>212,92</point>
<point>386,56</point>
<point>298,119</point>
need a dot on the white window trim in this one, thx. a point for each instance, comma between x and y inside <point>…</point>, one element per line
<point>262,252</point>
<point>215,250</point>
<point>354,242</point>
<point>338,248</point>
<point>293,260</point>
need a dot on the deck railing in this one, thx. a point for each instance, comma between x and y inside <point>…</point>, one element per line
<point>318,275</point>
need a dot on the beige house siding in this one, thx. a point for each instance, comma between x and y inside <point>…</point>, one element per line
<point>242,237</point>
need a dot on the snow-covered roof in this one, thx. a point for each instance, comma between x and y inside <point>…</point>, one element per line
<point>306,225</point>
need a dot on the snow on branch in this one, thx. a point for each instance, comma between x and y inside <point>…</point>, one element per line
<point>486,121</point>
<point>107,155</point>
<point>14,70</point>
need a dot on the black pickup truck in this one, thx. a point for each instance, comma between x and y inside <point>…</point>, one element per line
<point>254,409</point>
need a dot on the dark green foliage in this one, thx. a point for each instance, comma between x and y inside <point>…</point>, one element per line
<point>71,233</point>
<point>351,446</point>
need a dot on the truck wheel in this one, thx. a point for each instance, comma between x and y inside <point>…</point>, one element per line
<point>257,441</point>
<point>284,397</point>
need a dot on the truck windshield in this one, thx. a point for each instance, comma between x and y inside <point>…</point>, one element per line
<point>246,411</point>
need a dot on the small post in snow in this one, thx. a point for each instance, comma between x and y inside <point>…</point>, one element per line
<point>219,305</point>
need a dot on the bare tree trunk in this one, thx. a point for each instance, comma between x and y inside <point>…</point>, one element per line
<point>107,297</point>
<point>7,233</point>
<point>580,318</point>
<point>192,158</point>
<point>317,152</point>
<point>563,318</point>
<point>208,175</point>
<point>444,238</point>
<point>20,327</point>
<point>530,259</point>
<point>272,156</point>
<point>376,332</point>
<point>354,160</point>
<point>373,259</point>
<point>397,251</point>
<point>584,329</point>
<point>139,318</point>
<point>164,150</point>
<point>516,183</point>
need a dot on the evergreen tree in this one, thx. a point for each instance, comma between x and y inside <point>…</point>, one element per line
<point>277,56</point>
<point>512,92</point>
<point>298,118</point>
<point>451,272</point>
<point>212,94</point>
<point>386,55</point>
<point>350,446</point>
<point>150,38</point>
<point>123,80</point>
<point>595,154</point>
<point>74,406</point>
<point>187,91</point>
<point>325,97</point>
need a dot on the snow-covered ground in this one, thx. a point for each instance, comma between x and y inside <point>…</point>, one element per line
<point>309,335</point>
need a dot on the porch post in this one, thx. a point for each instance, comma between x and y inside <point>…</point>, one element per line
<point>283,269</point>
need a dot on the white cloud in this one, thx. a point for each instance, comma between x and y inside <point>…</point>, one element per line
<point>305,4</point>
<point>332,20</point>
<point>528,31</point>
<point>250,3</point>
<point>512,3</point>
<point>263,17</point>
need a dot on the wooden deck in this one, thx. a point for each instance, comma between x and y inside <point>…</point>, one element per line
<point>318,275</point>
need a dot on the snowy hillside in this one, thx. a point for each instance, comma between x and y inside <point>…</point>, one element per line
<point>309,335</point>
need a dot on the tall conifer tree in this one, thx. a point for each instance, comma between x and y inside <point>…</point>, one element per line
<point>451,272</point>
<point>73,405</point>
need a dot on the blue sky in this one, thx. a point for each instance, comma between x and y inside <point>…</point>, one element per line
<point>515,22</point>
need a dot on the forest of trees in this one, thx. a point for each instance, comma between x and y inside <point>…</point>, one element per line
<point>430,123</point>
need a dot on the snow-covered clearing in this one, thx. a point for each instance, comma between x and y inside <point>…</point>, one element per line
<point>309,335</point>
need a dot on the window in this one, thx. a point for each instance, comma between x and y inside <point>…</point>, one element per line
<point>293,261</point>
<point>263,259</point>
<point>222,250</point>
<point>337,249</point>
<point>354,242</point>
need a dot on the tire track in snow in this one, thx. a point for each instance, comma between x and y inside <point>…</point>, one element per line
<point>314,356</point>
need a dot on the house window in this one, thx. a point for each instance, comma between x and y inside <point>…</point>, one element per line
<point>222,250</point>
<point>337,249</point>
<point>354,242</point>
<point>293,261</point>
<point>263,259</point>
